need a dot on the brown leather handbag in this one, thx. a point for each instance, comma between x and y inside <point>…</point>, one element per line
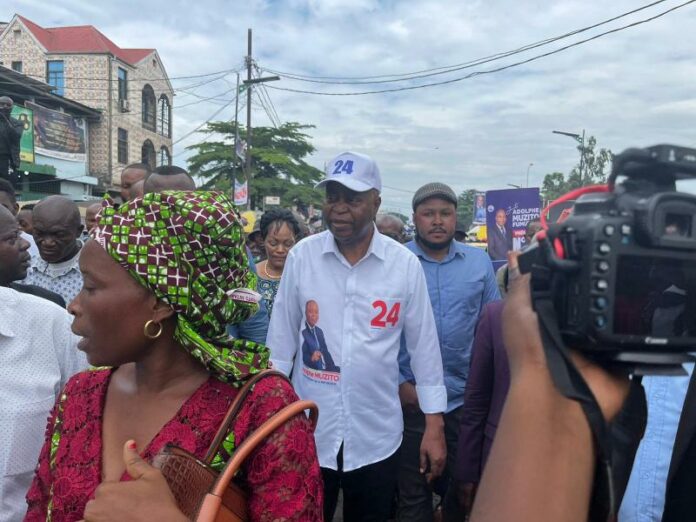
<point>203,494</point>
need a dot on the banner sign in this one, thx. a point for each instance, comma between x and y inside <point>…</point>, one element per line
<point>507,215</point>
<point>241,193</point>
<point>479,209</point>
<point>26,143</point>
<point>59,135</point>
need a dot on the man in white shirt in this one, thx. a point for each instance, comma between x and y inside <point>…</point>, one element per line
<point>38,354</point>
<point>370,290</point>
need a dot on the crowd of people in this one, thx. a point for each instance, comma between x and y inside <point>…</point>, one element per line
<point>135,330</point>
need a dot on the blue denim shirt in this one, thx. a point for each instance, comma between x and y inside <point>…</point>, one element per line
<point>459,287</point>
<point>644,500</point>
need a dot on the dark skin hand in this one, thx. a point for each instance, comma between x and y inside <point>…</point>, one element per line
<point>542,461</point>
<point>145,498</point>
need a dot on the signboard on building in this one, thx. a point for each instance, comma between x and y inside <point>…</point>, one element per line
<point>271,200</point>
<point>26,144</point>
<point>508,212</point>
<point>59,135</point>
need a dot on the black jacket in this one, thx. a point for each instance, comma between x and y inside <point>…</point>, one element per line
<point>39,292</point>
<point>680,500</point>
<point>11,130</point>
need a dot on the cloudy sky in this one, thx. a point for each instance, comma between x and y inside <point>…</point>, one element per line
<point>632,88</point>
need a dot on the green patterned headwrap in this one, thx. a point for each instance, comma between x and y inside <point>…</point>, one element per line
<point>188,249</point>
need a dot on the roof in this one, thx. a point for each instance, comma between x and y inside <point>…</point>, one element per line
<point>82,39</point>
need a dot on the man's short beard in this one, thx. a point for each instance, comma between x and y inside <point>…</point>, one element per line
<point>434,246</point>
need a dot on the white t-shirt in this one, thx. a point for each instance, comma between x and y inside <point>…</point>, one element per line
<point>347,361</point>
<point>38,354</point>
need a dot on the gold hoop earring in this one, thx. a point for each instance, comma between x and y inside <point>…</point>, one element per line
<point>146,330</point>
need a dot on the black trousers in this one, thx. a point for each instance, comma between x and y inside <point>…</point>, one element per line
<point>415,494</point>
<point>367,492</point>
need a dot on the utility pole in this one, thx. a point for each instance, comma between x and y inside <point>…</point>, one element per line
<point>248,129</point>
<point>249,82</point>
<point>235,158</point>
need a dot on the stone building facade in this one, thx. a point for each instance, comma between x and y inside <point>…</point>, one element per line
<point>129,86</point>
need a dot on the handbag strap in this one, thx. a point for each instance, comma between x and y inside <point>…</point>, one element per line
<point>258,436</point>
<point>233,411</point>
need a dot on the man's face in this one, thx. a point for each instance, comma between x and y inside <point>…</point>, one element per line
<point>55,235</point>
<point>312,313</point>
<point>91,216</point>
<point>6,107</point>
<point>500,218</point>
<point>392,228</point>
<point>14,250</point>
<point>436,221</point>
<point>25,221</point>
<point>130,177</point>
<point>6,201</point>
<point>349,214</point>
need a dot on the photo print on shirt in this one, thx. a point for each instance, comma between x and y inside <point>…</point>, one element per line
<point>318,362</point>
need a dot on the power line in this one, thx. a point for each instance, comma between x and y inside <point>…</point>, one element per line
<point>358,80</point>
<point>208,120</point>
<point>162,78</point>
<point>489,71</point>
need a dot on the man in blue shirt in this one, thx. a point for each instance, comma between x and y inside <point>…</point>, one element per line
<point>460,281</point>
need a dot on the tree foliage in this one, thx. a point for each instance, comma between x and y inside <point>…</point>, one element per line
<point>592,169</point>
<point>465,207</point>
<point>278,162</point>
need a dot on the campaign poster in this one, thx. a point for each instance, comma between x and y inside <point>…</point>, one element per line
<point>241,193</point>
<point>59,135</point>
<point>507,214</point>
<point>479,209</point>
<point>26,143</point>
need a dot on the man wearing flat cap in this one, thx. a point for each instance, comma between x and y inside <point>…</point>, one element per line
<point>460,283</point>
<point>371,291</point>
<point>10,133</point>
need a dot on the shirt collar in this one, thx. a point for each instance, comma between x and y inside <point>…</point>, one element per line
<point>7,314</point>
<point>55,270</point>
<point>377,246</point>
<point>453,251</point>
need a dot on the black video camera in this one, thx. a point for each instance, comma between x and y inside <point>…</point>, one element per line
<point>620,271</point>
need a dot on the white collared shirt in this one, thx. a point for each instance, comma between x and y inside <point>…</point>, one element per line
<point>64,278</point>
<point>363,310</point>
<point>38,354</point>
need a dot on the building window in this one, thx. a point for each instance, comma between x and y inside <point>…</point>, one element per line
<point>164,113</point>
<point>164,156</point>
<point>148,154</point>
<point>55,76</point>
<point>149,108</point>
<point>122,146</point>
<point>122,84</point>
<point>17,66</point>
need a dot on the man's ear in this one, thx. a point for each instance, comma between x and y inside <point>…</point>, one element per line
<point>377,203</point>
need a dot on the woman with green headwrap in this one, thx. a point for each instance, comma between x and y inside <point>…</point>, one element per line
<point>163,276</point>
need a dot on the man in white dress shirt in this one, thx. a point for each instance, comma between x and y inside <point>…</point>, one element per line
<point>370,290</point>
<point>38,354</point>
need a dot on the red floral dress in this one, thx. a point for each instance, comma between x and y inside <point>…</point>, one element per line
<point>282,476</point>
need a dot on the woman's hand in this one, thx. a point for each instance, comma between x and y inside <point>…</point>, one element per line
<point>145,498</point>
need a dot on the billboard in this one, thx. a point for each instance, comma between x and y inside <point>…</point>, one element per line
<point>507,214</point>
<point>59,135</point>
<point>479,209</point>
<point>241,193</point>
<point>26,144</point>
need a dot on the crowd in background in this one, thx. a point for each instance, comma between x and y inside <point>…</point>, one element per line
<point>401,343</point>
